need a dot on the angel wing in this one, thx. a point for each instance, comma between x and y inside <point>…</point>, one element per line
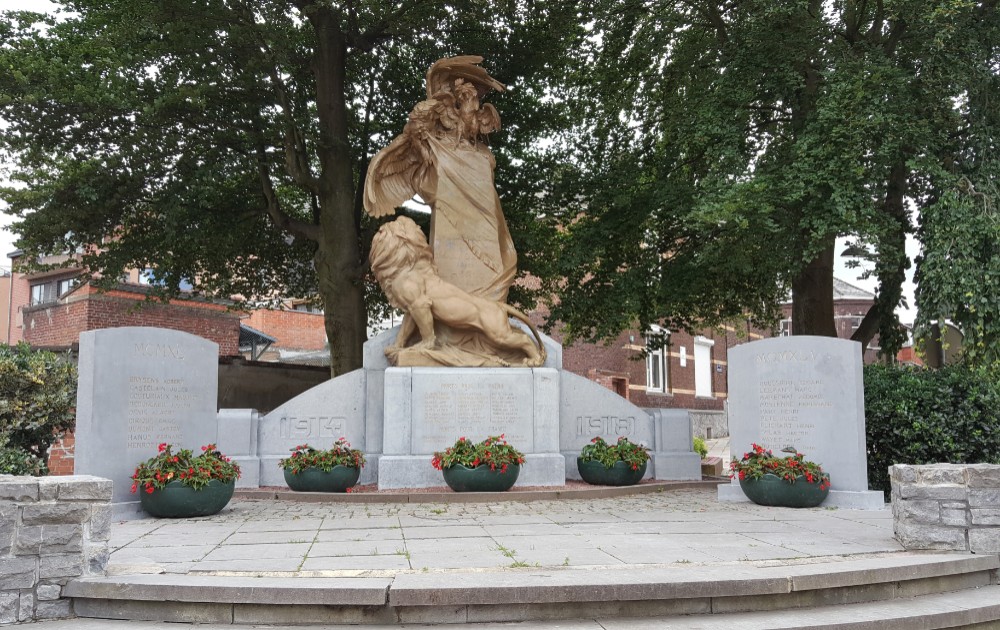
<point>405,167</point>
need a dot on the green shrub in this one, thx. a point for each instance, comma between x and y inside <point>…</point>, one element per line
<point>14,461</point>
<point>700,448</point>
<point>37,399</point>
<point>921,416</point>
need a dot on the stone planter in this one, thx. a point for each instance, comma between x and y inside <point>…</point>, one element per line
<point>179,501</point>
<point>773,491</point>
<point>315,480</point>
<point>481,478</point>
<point>621,474</point>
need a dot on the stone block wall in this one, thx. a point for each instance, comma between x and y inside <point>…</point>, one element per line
<point>947,506</point>
<point>52,529</point>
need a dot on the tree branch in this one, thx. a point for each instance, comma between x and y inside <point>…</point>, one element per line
<point>274,209</point>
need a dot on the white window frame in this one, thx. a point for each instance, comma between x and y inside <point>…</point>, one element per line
<point>703,367</point>
<point>658,361</point>
<point>43,293</point>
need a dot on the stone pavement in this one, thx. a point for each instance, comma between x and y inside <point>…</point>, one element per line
<point>687,527</point>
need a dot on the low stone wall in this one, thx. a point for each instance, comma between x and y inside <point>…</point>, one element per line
<point>52,529</point>
<point>947,506</point>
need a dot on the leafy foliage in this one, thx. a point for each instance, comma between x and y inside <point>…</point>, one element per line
<point>598,450</point>
<point>920,416</point>
<point>14,461</point>
<point>494,452</point>
<point>226,142</point>
<point>759,461</point>
<point>728,144</point>
<point>340,454</point>
<point>37,402</point>
<point>700,448</point>
<point>192,471</point>
<point>959,270</point>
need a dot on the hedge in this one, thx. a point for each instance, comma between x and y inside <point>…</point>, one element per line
<point>37,400</point>
<point>923,416</point>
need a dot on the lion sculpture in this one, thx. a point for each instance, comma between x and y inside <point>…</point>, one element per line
<point>456,328</point>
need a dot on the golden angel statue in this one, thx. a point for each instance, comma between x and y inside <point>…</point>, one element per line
<point>442,156</point>
<point>454,291</point>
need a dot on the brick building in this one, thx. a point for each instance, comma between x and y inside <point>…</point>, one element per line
<point>850,304</point>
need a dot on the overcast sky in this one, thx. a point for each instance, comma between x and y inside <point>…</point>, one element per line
<point>841,271</point>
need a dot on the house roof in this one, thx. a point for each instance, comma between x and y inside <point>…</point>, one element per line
<point>847,291</point>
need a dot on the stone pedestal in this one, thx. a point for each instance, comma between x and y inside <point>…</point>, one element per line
<point>427,409</point>
<point>238,440</point>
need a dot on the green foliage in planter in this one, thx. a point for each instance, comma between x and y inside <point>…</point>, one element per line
<point>37,400</point>
<point>700,448</point>
<point>340,454</point>
<point>598,450</point>
<point>921,416</point>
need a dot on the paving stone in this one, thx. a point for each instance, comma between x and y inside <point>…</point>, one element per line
<point>262,552</point>
<point>367,547</point>
<point>333,535</point>
<point>356,563</point>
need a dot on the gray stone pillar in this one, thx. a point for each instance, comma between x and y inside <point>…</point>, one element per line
<point>52,529</point>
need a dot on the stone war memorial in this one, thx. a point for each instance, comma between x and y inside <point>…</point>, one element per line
<point>805,392</point>
<point>139,387</point>
<point>462,363</point>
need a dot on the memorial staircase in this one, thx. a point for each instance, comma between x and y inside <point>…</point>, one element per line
<point>895,590</point>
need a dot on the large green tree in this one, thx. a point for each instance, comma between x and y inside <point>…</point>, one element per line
<point>228,140</point>
<point>732,142</point>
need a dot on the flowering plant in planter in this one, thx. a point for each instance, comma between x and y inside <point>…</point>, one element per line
<point>340,454</point>
<point>192,471</point>
<point>634,455</point>
<point>494,452</point>
<point>760,461</point>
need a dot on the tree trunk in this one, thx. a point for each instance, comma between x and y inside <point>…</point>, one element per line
<point>339,269</point>
<point>812,296</point>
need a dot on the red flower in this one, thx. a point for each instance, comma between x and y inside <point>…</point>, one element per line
<point>134,488</point>
<point>149,489</point>
<point>162,446</point>
<point>743,474</point>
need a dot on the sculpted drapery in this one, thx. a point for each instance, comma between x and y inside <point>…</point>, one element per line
<point>443,157</point>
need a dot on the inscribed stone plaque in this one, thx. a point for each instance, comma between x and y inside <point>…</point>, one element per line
<point>805,392</point>
<point>474,403</point>
<point>139,387</point>
<point>588,410</point>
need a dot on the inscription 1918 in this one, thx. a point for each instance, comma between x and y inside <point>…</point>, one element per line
<point>605,425</point>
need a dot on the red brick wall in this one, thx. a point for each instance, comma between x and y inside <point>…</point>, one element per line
<point>20,298</point>
<point>292,329</point>
<point>61,324</point>
<point>61,455</point>
<point>622,359</point>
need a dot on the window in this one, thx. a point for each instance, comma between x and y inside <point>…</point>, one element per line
<point>786,328</point>
<point>43,292</point>
<point>703,367</point>
<point>657,361</point>
<point>64,286</point>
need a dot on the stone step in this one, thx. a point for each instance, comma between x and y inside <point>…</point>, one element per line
<point>535,594</point>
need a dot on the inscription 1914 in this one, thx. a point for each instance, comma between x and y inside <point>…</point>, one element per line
<point>311,427</point>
